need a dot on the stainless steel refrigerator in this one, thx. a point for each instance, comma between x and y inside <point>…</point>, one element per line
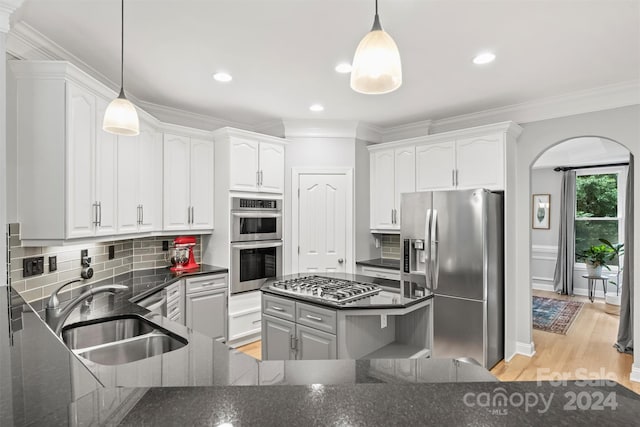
<point>452,244</point>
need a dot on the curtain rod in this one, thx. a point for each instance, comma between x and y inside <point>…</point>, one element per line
<point>569,168</point>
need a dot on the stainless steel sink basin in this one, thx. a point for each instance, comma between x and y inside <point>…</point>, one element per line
<point>119,340</point>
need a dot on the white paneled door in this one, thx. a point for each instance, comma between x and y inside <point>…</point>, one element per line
<point>322,222</point>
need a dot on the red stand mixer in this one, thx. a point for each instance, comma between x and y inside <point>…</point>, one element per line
<point>182,258</point>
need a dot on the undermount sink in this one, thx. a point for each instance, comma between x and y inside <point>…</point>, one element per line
<point>119,340</point>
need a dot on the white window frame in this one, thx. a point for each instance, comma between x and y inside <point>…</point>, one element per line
<point>621,171</point>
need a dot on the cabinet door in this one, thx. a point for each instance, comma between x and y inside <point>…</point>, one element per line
<point>276,338</point>
<point>206,312</point>
<point>150,179</point>
<point>382,189</point>
<point>128,163</point>
<point>405,176</point>
<point>106,172</point>
<point>81,134</point>
<point>201,184</point>
<point>271,168</point>
<point>480,162</point>
<point>176,182</point>
<point>435,166</point>
<point>313,344</point>
<point>243,164</point>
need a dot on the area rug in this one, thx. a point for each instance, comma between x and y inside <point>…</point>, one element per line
<point>554,315</point>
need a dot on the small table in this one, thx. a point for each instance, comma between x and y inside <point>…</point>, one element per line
<point>591,283</point>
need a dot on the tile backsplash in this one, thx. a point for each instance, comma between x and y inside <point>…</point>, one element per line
<point>390,245</point>
<point>131,254</point>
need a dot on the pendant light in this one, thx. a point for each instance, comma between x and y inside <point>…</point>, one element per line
<point>376,63</point>
<point>121,117</point>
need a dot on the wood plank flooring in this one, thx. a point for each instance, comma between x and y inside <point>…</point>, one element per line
<point>586,349</point>
<point>587,346</point>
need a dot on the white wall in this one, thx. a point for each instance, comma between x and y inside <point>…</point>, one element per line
<point>621,125</point>
<point>365,242</point>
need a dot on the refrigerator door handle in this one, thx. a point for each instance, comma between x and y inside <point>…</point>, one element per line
<point>434,250</point>
<point>427,249</point>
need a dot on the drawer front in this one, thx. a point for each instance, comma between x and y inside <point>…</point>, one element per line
<point>246,301</point>
<point>316,317</point>
<point>173,291</point>
<point>243,324</point>
<point>173,309</point>
<point>206,282</point>
<point>279,307</point>
<point>380,273</point>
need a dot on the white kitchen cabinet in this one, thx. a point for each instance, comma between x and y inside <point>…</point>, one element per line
<point>206,305</point>
<point>188,183</point>
<point>480,162</point>
<point>244,317</point>
<point>463,163</point>
<point>139,181</point>
<point>435,166</point>
<point>255,161</point>
<point>106,163</point>
<point>392,173</point>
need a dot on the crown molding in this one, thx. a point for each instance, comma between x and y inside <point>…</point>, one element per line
<point>272,127</point>
<point>314,128</point>
<point>26,43</point>
<point>7,7</point>
<point>585,101</point>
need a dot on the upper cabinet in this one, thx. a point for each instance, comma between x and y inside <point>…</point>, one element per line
<point>392,173</point>
<point>188,183</point>
<point>67,164</point>
<point>464,159</point>
<point>255,161</point>
<point>140,181</point>
<point>463,163</point>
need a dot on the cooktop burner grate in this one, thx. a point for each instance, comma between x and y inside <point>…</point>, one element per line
<point>327,288</point>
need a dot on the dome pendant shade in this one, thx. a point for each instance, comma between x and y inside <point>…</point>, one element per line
<point>376,64</point>
<point>121,117</point>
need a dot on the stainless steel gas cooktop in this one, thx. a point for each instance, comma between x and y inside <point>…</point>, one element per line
<point>327,288</point>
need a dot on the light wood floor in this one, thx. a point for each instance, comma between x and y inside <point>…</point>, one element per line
<point>588,345</point>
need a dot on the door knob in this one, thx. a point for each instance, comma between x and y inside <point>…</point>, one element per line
<point>340,260</point>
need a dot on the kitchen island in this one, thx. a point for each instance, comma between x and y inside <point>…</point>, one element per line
<point>344,316</point>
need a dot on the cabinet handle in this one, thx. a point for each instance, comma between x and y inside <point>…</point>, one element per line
<point>95,213</point>
<point>292,342</point>
<point>457,181</point>
<point>258,178</point>
<point>193,214</point>
<point>316,318</point>
<point>277,308</point>
<point>257,321</point>
<point>100,214</point>
<point>261,178</point>
<point>453,177</point>
<point>141,214</point>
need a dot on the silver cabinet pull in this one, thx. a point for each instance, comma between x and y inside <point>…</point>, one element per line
<point>453,177</point>
<point>340,260</point>
<point>261,178</point>
<point>292,342</point>
<point>193,215</point>
<point>141,214</point>
<point>316,318</point>
<point>277,308</point>
<point>391,216</point>
<point>257,321</point>
<point>457,180</point>
<point>100,214</point>
<point>95,213</point>
<point>257,178</point>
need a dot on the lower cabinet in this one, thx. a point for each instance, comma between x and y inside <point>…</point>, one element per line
<point>206,305</point>
<point>305,337</point>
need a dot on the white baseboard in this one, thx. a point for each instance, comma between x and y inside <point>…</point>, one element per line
<point>541,286</point>
<point>577,291</point>
<point>526,349</point>
<point>635,373</point>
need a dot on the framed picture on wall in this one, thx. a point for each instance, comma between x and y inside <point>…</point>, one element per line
<point>540,211</point>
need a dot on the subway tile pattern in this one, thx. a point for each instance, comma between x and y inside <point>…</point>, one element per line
<point>390,245</point>
<point>132,254</point>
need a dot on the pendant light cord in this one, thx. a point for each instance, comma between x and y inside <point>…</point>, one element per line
<point>122,45</point>
<point>376,20</point>
<point>376,7</point>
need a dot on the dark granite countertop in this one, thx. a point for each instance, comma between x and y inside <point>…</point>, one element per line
<point>389,264</point>
<point>391,296</point>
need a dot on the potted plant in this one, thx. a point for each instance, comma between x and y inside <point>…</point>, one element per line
<point>596,257</point>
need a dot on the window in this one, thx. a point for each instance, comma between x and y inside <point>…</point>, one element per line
<point>599,207</point>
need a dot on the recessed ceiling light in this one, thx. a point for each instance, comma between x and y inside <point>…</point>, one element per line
<point>343,68</point>
<point>484,58</point>
<point>222,77</point>
<point>316,108</point>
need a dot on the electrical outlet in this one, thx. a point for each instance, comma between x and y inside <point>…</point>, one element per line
<point>83,254</point>
<point>112,252</point>
<point>32,266</point>
<point>165,245</point>
<point>53,263</point>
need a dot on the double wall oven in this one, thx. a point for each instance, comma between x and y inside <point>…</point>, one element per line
<point>256,242</point>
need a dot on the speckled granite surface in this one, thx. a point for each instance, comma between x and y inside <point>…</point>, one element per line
<point>448,404</point>
<point>388,263</point>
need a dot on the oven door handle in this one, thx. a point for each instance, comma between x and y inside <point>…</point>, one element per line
<point>256,214</point>
<point>257,245</point>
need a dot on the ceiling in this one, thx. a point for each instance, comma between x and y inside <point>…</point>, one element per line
<point>282,53</point>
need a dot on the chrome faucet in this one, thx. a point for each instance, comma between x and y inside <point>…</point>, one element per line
<point>56,316</point>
